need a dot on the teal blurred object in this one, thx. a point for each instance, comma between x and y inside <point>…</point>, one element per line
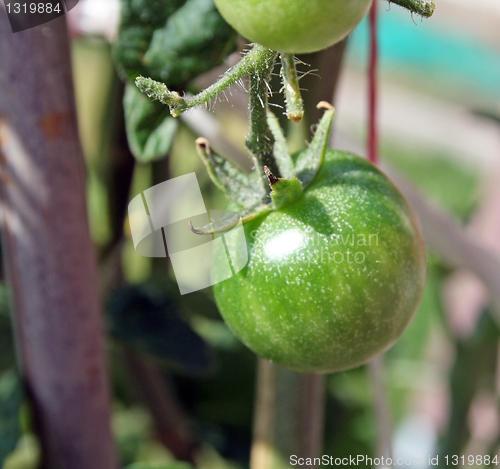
<point>427,51</point>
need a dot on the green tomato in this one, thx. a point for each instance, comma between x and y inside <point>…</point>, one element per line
<point>294,26</point>
<point>334,278</point>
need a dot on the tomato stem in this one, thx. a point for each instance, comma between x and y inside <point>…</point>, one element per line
<point>252,61</point>
<point>293,99</point>
<point>260,139</point>
<point>423,8</point>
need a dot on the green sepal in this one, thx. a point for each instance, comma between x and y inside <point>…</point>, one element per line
<point>230,220</point>
<point>150,127</point>
<point>236,185</point>
<point>280,150</point>
<point>285,191</point>
<point>310,160</point>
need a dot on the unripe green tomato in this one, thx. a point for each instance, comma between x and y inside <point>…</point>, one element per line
<point>294,26</point>
<point>332,279</point>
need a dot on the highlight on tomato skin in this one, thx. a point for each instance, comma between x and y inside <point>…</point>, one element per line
<point>334,278</point>
<point>294,26</point>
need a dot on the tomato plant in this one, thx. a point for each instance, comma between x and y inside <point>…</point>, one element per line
<point>334,278</point>
<point>337,264</point>
<point>294,26</point>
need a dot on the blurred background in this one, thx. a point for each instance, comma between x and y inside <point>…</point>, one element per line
<point>183,385</point>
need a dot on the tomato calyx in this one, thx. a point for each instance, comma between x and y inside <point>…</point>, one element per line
<point>247,190</point>
<point>265,140</point>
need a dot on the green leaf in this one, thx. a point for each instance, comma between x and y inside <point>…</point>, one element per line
<point>309,161</point>
<point>281,153</point>
<point>150,127</point>
<point>149,320</point>
<point>194,40</point>
<point>237,186</point>
<point>11,398</point>
<point>171,41</point>
<point>139,20</point>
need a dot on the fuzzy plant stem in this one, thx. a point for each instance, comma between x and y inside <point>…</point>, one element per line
<point>256,59</point>
<point>260,140</point>
<point>423,8</point>
<point>293,99</point>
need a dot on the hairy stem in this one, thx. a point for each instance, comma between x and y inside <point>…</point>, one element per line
<point>173,425</point>
<point>260,140</point>
<point>293,99</point>
<point>420,7</point>
<point>256,59</point>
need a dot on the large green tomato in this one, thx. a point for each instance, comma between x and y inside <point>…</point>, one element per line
<point>294,26</point>
<point>332,279</point>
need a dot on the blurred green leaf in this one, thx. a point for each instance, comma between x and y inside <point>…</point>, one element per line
<point>150,127</point>
<point>194,40</point>
<point>131,428</point>
<point>7,354</point>
<point>139,19</point>
<point>171,41</point>
<point>175,465</point>
<point>413,342</point>
<point>350,421</point>
<point>10,406</point>
<point>439,176</point>
<point>475,368</point>
<point>149,321</point>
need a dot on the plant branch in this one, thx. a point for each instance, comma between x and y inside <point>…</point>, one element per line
<point>289,416</point>
<point>260,139</point>
<point>423,8</point>
<point>382,408</point>
<point>255,60</point>
<point>49,252</point>
<point>173,425</point>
